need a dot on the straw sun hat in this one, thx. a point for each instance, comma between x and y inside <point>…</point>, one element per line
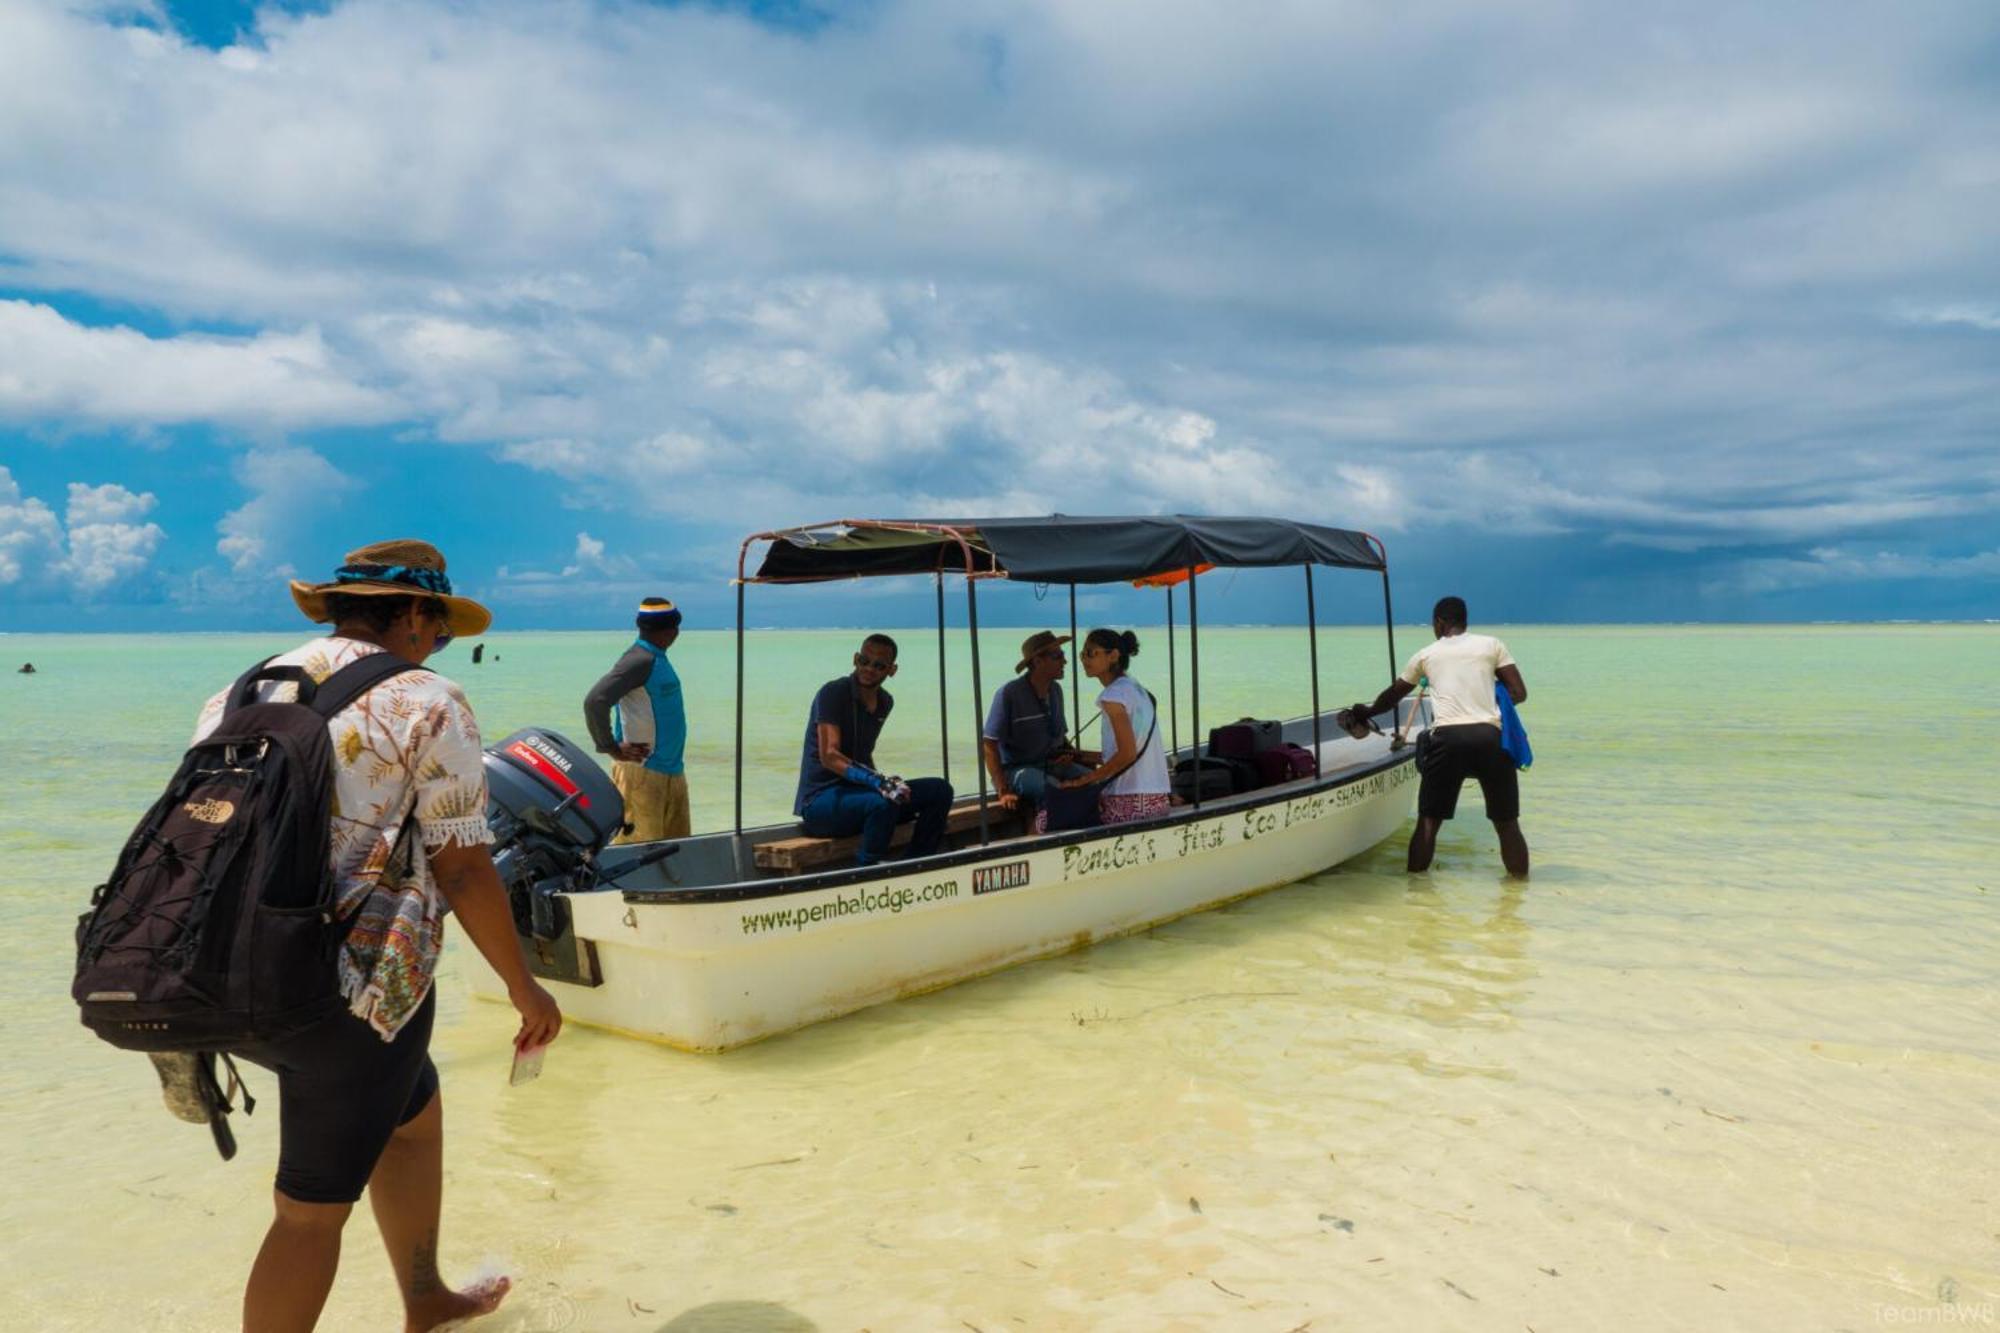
<point>402,568</point>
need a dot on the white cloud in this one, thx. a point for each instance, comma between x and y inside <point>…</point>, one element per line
<point>591,558</point>
<point>53,368</point>
<point>104,505</point>
<point>288,484</point>
<point>1828,566</point>
<point>1985,318</point>
<point>31,537</point>
<point>1532,267</point>
<point>102,554</point>
<point>98,544</point>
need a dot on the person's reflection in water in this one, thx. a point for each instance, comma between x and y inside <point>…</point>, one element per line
<point>1473,969</point>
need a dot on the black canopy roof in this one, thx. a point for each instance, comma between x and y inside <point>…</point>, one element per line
<point>1057,549</point>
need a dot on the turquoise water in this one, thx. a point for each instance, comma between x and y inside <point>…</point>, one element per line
<point>1731,1059</point>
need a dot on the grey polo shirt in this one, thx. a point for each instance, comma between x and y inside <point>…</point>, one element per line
<point>1028,729</point>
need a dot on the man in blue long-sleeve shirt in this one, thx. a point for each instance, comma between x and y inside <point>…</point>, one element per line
<point>636,716</point>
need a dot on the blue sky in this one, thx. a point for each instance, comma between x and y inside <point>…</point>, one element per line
<point>1589,313</point>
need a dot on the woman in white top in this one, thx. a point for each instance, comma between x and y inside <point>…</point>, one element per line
<point>1134,759</point>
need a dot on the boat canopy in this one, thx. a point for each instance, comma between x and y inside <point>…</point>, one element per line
<point>1055,549</point>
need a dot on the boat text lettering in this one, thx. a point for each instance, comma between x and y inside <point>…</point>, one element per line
<point>1121,853</point>
<point>1200,838</point>
<point>866,902</point>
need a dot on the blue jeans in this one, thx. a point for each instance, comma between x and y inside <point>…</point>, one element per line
<point>1030,782</point>
<point>844,809</point>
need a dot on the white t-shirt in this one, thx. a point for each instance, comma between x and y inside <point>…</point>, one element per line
<point>1462,669</point>
<point>1148,774</point>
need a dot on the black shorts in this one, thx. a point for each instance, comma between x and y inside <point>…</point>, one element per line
<point>342,1091</point>
<point>1470,751</point>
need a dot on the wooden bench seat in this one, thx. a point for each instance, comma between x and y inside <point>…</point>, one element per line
<point>795,856</point>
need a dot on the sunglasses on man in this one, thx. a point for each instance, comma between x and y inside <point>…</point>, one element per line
<point>883,664</point>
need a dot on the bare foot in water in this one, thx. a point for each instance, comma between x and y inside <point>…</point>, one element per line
<point>450,1309</point>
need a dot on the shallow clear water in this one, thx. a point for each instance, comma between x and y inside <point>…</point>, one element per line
<point>1731,1059</point>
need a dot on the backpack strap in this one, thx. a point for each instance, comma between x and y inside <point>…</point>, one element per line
<point>244,691</point>
<point>352,681</point>
<point>342,688</point>
<point>1141,753</point>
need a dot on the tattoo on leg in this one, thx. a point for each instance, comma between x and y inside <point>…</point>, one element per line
<point>424,1279</point>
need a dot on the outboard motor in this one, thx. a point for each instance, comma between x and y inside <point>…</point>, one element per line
<point>552,810</point>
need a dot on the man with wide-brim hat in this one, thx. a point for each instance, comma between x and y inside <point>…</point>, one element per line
<point>1026,737</point>
<point>401,568</point>
<point>358,1105</point>
<point>636,715</point>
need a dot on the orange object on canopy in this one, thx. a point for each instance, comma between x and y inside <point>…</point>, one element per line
<point>1169,579</point>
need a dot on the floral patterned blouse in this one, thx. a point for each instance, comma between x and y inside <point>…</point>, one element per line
<point>408,747</point>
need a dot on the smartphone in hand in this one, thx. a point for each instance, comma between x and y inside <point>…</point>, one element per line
<point>527,1065</point>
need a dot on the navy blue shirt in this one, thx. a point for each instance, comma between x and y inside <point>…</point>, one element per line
<point>839,704</point>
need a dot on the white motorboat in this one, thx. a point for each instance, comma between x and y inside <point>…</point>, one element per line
<point>715,941</point>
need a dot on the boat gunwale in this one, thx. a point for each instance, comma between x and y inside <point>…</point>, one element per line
<point>747,890</point>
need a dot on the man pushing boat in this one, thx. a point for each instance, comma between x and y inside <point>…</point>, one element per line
<point>1462,669</point>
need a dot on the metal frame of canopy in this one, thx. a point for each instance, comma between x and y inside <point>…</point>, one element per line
<point>964,539</point>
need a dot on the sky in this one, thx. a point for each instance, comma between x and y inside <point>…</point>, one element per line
<point>1589,312</point>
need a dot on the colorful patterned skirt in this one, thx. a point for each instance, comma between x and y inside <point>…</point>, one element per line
<point>1125,809</point>
<point>1119,809</point>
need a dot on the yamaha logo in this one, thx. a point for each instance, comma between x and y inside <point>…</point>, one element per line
<point>991,879</point>
<point>548,752</point>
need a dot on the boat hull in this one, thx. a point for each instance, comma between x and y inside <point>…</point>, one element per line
<point>711,972</point>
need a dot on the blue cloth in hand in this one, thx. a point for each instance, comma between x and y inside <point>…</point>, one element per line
<point>1513,736</point>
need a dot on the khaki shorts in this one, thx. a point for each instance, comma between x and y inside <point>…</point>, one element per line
<point>656,804</point>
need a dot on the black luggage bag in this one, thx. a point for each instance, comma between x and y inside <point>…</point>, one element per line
<point>1219,777</point>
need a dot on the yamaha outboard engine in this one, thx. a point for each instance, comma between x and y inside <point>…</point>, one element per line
<point>552,810</point>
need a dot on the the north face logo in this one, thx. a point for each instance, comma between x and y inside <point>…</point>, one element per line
<point>210,812</point>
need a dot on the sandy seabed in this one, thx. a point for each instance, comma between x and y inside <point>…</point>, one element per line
<point>1730,1060</point>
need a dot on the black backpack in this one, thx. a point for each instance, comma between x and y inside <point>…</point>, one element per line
<point>217,927</point>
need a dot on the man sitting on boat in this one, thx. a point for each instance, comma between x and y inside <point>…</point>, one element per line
<point>1026,738</point>
<point>840,793</point>
<point>1133,766</point>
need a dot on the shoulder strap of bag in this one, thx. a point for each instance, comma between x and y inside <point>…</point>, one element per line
<point>1141,751</point>
<point>342,688</point>
<point>244,691</point>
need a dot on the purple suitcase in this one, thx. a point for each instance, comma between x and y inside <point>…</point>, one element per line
<point>1286,763</point>
<point>1245,739</point>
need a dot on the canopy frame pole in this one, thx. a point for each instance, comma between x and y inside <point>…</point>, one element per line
<point>1312,650</point>
<point>1074,722</point>
<point>736,843</point>
<point>1173,686</point>
<point>1194,680</point>
<point>1389,620</point>
<point>972,632</point>
<point>944,699</point>
<point>739,709</point>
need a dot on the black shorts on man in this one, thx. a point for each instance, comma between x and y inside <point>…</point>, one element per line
<point>342,1091</point>
<point>1470,751</point>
